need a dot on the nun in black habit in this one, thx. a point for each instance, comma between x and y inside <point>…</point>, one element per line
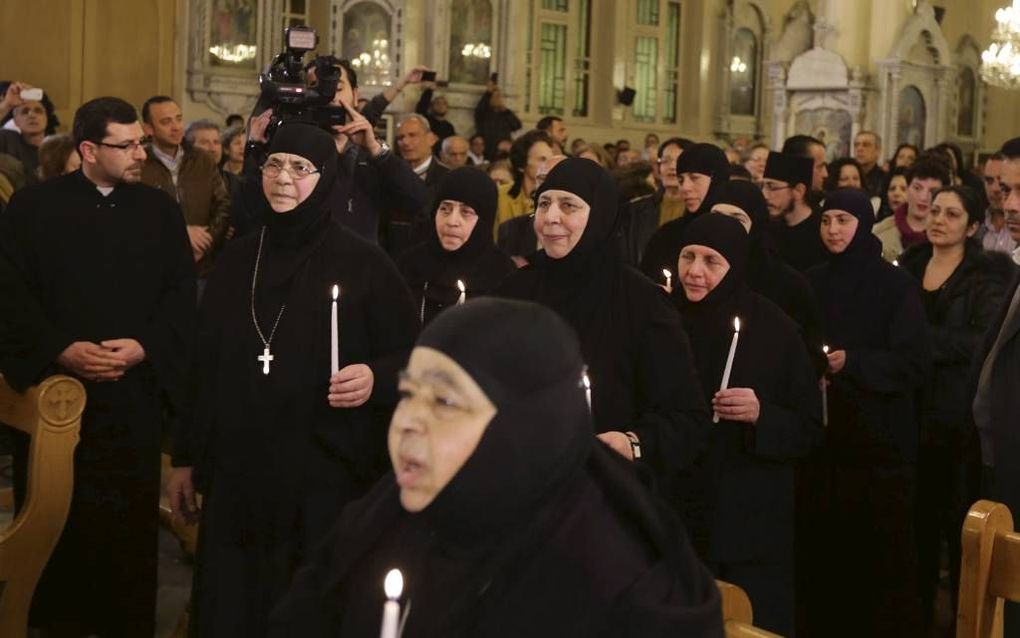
<point>740,508</point>
<point>767,274</point>
<point>876,330</point>
<point>459,251</point>
<point>646,401</point>
<point>701,169</point>
<point>279,445</point>
<point>504,516</point>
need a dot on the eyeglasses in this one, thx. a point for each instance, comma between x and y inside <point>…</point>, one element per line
<point>772,188</point>
<point>130,146</point>
<point>298,172</point>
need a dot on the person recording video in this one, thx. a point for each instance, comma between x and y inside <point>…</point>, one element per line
<point>377,195</point>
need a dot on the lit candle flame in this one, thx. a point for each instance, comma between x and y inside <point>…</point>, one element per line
<point>736,324</point>
<point>666,273</point>
<point>394,584</point>
<point>336,292</point>
<point>825,349</point>
<point>460,286</point>
<point>586,381</point>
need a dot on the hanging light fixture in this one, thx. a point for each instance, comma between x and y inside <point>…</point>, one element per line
<point>1000,62</point>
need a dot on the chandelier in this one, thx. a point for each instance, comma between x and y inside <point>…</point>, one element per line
<point>1000,62</point>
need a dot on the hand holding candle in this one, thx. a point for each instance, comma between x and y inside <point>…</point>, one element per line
<point>394,587</point>
<point>334,342</point>
<point>729,362</point>
<point>463,292</point>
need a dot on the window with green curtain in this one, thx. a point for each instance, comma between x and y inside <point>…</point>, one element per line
<point>582,63</point>
<point>646,54</point>
<point>648,12</point>
<point>672,60</point>
<point>556,5</point>
<point>552,69</point>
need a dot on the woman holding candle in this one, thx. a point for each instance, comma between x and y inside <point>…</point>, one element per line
<point>874,325</point>
<point>962,286</point>
<point>461,247</point>
<point>740,508</point>
<point>503,514</point>
<point>646,401</point>
<point>277,443</point>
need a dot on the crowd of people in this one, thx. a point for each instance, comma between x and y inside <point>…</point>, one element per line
<point>561,385</point>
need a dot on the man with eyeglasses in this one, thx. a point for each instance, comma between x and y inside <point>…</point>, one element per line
<point>795,227</point>
<point>996,402</point>
<point>189,176</point>
<point>97,281</point>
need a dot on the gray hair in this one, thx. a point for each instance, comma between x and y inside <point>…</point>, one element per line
<point>448,140</point>
<point>195,127</point>
<point>229,135</point>
<point>419,118</point>
<point>878,138</point>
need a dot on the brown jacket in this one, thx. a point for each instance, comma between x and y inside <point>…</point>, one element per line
<point>200,192</point>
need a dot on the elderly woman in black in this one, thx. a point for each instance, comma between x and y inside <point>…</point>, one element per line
<point>740,510</point>
<point>503,514</point>
<point>646,401</point>
<point>459,259</point>
<point>874,325</point>
<point>961,286</point>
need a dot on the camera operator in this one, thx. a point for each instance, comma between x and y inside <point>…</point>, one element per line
<point>377,195</point>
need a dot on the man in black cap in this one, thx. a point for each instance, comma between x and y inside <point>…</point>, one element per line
<point>795,227</point>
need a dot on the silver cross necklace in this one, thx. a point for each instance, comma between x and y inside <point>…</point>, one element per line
<point>266,357</point>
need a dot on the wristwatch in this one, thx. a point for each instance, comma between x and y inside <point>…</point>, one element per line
<point>635,445</point>
<point>383,152</point>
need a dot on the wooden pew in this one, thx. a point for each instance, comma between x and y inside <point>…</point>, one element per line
<point>51,414</point>
<point>990,571</point>
<point>738,617</point>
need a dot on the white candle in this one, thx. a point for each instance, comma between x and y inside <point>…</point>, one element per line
<point>463,293</point>
<point>825,390</point>
<point>669,279</point>
<point>394,586</point>
<point>729,362</point>
<point>586,382</point>
<point>334,342</point>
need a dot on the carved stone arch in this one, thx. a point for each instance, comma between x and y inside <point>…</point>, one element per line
<point>921,59</point>
<point>744,30</point>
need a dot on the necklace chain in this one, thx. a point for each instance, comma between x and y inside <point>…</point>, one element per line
<point>254,278</point>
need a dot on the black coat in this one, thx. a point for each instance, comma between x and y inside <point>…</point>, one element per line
<point>78,266</point>
<point>741,502</point>
<point>874,313</point>
<point>274,462</point>
<point>494,125</point>
<point>801,245</point>
<point>1005,400</point>
<point>958,318</point>
<point>640,222</point>
<point>517,237</point>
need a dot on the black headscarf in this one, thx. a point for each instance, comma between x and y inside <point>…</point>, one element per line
<point>706,159</point>
<point>849,270</point>
<point>571,284</point>
<point>432,272</point>
<point>292,237</point>
<point>748,198</point>
<point>536,468</point>
<point>710,321</point>
<point>528,362</point>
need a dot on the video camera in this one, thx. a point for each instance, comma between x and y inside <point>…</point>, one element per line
<point>285,89</point>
